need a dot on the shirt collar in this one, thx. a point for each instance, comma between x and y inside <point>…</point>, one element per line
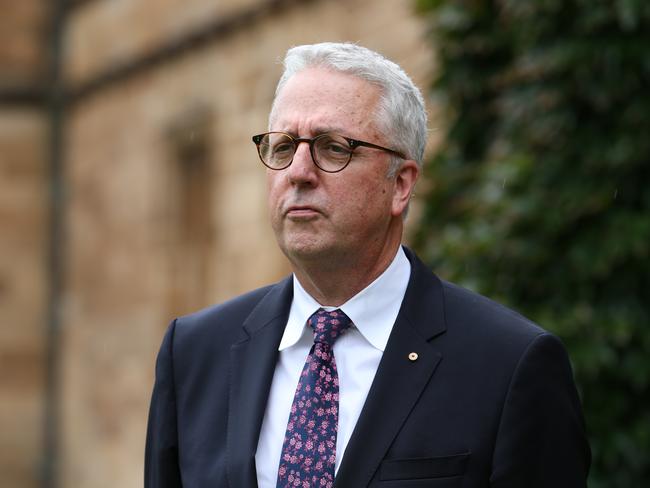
<point>373,310</point>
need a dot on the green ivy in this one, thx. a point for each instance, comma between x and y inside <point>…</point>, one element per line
<point>539,195</point>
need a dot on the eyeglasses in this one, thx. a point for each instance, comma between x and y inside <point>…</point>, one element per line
<point>330,152</point>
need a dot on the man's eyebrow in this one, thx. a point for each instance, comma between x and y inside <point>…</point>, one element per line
<point>329,130</point>
<point>316,131</point>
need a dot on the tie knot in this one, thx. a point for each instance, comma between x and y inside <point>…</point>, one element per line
<point>328,326</point>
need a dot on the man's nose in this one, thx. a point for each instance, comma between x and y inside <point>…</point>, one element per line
<point>302,169</point>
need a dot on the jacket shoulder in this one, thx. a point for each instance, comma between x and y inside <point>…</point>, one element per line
<point>238,305</point>
<point>224,320</point>
<point>488,329</point>
<point>461,302</point>
<point>434,305</point>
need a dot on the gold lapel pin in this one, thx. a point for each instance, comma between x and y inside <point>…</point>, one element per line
<point>413,356</point>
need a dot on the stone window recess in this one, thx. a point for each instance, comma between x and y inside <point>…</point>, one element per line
<point>190,242</point>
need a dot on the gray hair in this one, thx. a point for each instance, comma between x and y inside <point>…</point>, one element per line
<point>401,115</point>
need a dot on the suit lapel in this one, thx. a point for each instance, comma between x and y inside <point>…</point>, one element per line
<point>399,381</point>
<point>252,364</point>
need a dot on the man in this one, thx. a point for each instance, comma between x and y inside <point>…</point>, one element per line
<point>362,368</point>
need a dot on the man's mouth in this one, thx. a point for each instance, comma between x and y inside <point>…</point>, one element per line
<point>302,212</point>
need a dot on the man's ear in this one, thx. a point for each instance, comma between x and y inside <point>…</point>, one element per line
<point>405,179</point>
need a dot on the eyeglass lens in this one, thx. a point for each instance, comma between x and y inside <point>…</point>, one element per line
<point>330,152</point>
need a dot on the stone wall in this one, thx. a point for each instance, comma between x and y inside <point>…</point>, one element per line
<point>23,32</point>
<point>23,265</point>
<point>23,241</point>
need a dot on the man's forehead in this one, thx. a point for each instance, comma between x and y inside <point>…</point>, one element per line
<point>326,99</point>
<point>301,122</point>
<point>320,82</point>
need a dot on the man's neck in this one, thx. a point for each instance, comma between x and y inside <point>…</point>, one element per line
<point>334,282</point>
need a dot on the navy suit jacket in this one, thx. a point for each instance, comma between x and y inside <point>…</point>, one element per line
<point>490,401</point>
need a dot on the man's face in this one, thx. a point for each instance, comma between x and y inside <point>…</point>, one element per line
<point>330,217</point>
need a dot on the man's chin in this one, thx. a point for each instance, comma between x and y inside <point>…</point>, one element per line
<point>306,250</point>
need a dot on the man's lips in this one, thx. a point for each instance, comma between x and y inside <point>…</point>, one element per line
<point>298,212</point>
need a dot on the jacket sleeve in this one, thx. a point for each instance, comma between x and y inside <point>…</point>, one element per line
<point>161,468</point>
<point>541,440</point>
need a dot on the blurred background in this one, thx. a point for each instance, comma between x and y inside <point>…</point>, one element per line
<point>130,193</point>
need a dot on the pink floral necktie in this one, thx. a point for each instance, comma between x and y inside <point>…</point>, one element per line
<point>309,448</point>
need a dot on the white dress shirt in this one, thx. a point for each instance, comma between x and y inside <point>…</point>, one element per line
<point>357,353</point>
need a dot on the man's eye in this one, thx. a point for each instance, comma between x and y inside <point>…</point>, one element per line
<point>282,148</point>
<point>336,148</point>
